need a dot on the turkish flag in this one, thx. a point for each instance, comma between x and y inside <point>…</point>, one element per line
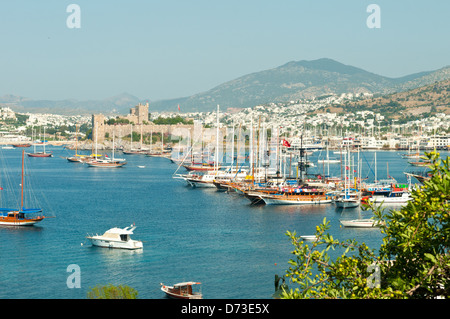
<point>286,143</point>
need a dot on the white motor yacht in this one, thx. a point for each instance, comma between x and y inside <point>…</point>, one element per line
<point>116,238</point>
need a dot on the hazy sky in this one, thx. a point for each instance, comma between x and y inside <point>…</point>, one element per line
<point>158,49</point>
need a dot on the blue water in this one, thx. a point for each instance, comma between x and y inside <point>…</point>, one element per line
<point>219,239</point>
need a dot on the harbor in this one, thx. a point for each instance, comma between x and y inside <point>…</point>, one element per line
<point>221,239</point>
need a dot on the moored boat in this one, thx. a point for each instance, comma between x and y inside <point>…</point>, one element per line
<point>106,163</point>
<point>298,196</point>
<point>361,223</point>
<point>183,290</point>
<point>116,238</point>
<point>23,216</point>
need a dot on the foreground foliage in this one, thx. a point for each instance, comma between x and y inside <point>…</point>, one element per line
<point>412,262</point>
<point>112,292</point>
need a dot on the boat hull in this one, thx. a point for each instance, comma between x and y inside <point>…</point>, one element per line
<point>107,165</point>
<point>287,200</point>
<point>171,292</point>
<point>40,154</point>
<point>7,221</point>
<point>100,242</point>
<point>346,204</point>
<point>360,223</point>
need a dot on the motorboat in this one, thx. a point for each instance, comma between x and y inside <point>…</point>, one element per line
<point>116,238</point>
<point>362,223</point>
<point>183,290</point>
<point>401,197</point>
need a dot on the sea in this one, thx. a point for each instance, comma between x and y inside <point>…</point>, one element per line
<point>220,239</point>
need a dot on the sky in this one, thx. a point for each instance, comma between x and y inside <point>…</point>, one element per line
<point>162,49</point>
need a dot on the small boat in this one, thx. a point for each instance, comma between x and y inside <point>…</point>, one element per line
<point>183,290</point>
<point>362,223</point>
<point>40,154</point>
<point>117,238</point>
<point>21,145</point>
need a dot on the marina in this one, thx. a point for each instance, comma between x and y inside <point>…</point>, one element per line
<point>189,232</point>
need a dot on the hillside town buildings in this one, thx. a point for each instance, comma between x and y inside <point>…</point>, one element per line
<point>312,119</point>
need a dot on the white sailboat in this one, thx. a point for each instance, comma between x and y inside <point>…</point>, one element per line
<point>349,198</point>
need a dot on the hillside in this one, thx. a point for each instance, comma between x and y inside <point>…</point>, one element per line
<point>419,101</point>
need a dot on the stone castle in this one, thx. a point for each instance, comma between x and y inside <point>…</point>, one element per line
<point>138,118</point>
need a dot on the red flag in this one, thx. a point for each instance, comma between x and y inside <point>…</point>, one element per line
<point>286,143</point>
<point>178,107</point>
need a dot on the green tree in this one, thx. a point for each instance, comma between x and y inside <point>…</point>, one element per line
<point>112,292</point>
<point>412,261</point>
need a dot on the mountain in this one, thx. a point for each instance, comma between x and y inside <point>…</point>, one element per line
<point>289,82</point>
<point>118,104</point>
<point>297,80</point>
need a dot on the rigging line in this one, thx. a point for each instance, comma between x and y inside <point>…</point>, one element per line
<point>368,164</point>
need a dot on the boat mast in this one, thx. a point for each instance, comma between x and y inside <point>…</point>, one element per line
<point>21,203</point>
<point>216,164</point>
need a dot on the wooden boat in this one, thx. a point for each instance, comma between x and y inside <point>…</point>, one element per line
<point>23,216</point>
<point>21,145</point>
<point>298,196</point>
<point>183,290</point>
<point>199,167</point>
<point>11,217</point>
<point>420,163</point>
<point>361,223</point>
<point>106,163</point>
<point>40,154</point>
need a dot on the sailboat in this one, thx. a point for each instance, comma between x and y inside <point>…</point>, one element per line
<point>106,162</point>
<point>139,151</point>
<point>40,154</point>
<point>23,216</point>
<point>349,198</point>
<point>78,158</point>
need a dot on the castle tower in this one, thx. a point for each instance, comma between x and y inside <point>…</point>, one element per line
<point>141,111</point>
<point>98,128</point>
